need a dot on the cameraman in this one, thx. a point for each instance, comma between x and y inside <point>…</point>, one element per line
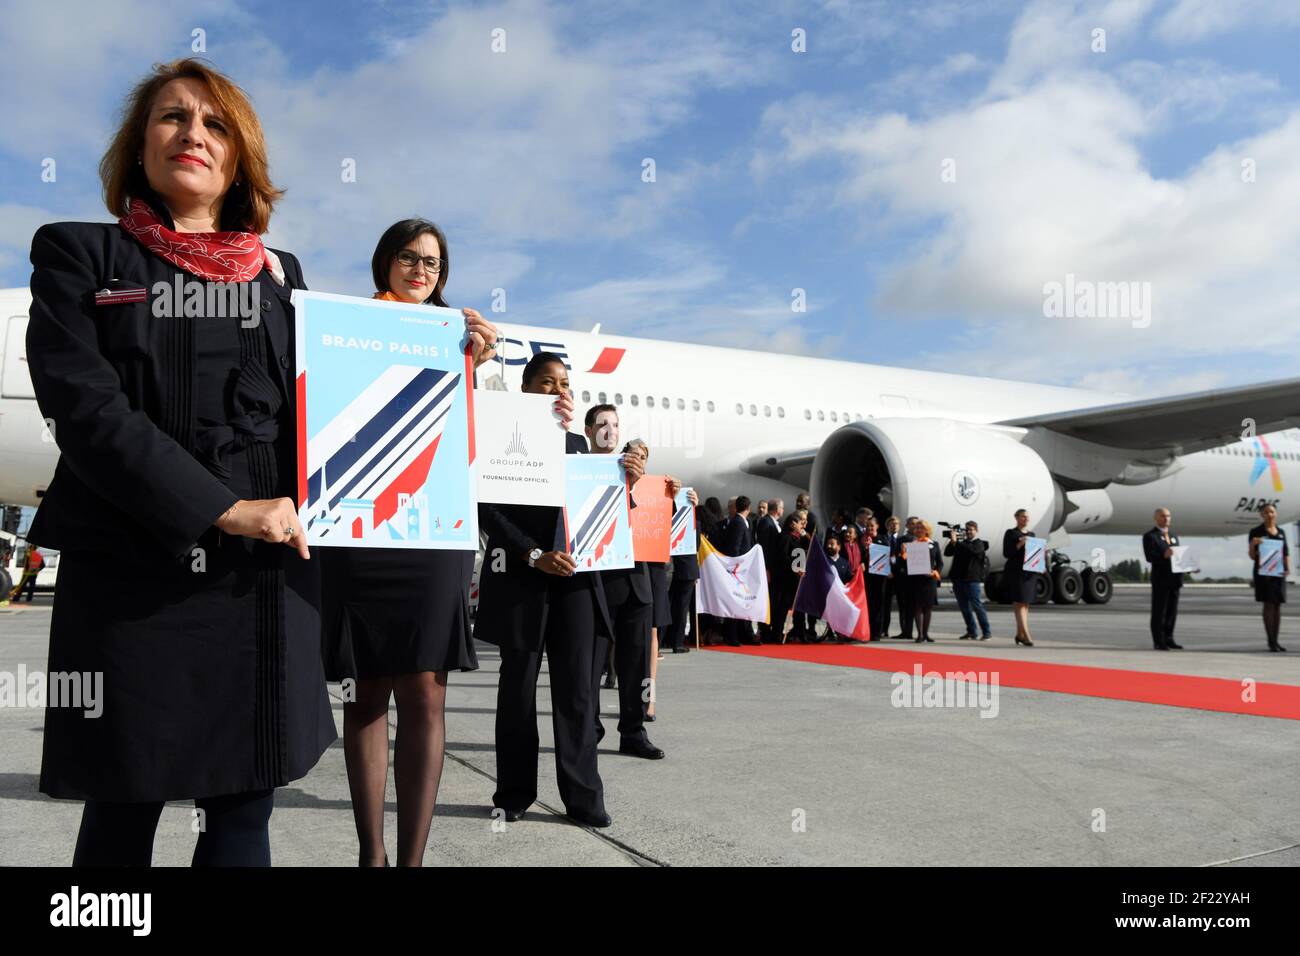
<point>970,566</point>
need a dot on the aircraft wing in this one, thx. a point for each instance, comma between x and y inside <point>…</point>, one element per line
<point>1179,424</point>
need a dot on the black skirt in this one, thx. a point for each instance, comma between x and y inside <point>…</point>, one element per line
<point>1023,591</point>
<point>663,612</point>
<point>923,590</point>
<point>389,611</point>
<point>1270,590</point>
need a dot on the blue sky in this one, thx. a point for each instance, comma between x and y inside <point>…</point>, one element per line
<point>775,170</point>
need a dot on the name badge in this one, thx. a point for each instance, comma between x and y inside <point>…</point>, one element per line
<point>118,292</point>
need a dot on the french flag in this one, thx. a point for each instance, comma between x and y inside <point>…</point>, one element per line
<point>823,595</point>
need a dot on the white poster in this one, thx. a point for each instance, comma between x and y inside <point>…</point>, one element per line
<point>519,449</point>
<point>1036,555</point>
<point>1182,560</point>
<point>918,557</point>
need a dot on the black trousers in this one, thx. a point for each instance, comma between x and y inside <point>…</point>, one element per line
<point>887,613</point>
<point>877,604</point>
<point>681,598</point>
<point>631,620</point>
<point>232,831</point>
<point>570,643</point>
<point>903,594</point>
<point>1164,613</point>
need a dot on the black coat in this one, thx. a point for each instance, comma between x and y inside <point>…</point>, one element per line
<point>209,644</point>
<point>768,534</point>
<point>735,539</point>
<point>512,603</point>
<point>1153,547</point>
<point>967,559</point>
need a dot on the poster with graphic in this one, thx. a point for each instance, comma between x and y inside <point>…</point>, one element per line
<point>878,559</point>
<point>1270,558</point>
<point>385,425</point>
<point>652,519</point>
<point>597,525</point>
<point>1036,555</point>
<point>682,540</point>
<point>520,449</point>
<point>1183,559</point>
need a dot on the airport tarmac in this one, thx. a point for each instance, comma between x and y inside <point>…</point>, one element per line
<point>775,760</point>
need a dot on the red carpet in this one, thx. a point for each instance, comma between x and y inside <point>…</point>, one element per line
<point>1146,687</point>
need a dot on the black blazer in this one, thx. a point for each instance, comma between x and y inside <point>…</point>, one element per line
<point>116,385</point>
<point>512,604</point>
<point>967,559</point>
<point>769,534</point>
<point>1153,547</point>
<point>736,539</point>
<point>1015,556</point>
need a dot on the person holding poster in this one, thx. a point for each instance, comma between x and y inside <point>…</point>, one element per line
<point>1018,582</point>
<point>394,622</point>
<point>787,570</point>
<point>530,601</point>
<point>686,571</point>
<point>922,588</point>
<point>1157,546</point>
<point>158,347</point>
<point>1270,588</point>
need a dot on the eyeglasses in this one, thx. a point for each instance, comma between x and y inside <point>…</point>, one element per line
<point>432,264</point>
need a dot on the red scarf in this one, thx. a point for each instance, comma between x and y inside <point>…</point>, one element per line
<point>215,256</point>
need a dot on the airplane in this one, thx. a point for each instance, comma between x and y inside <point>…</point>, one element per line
<point>944,446</point>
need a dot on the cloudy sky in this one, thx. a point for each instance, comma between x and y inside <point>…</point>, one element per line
<point>1121,141</point>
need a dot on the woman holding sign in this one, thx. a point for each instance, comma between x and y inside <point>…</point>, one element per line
<point>396,621</point>
<point>1018,582</point>
<point>1270,588</point>
<point>184,580</point>
<point>923,589</point>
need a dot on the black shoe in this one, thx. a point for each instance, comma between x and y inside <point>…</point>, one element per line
<point>985,637</point>
<point>1276,647</point>
<point>1172,646</point>
<point>967,637</point>
<point>928,639</point>
<point>732,642</point>
<point>598,820</point>
<point>650,718</point>
<point>681,650</point>
<point>600,733</point>
<point>1161,647</point>
<point>512,816</point>
<point>640,748</point>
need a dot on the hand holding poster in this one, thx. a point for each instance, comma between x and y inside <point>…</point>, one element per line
<point>681,539</point>
<point>918,557</point>
<point>651,518</point>
<point>1182,560</point>
<point>878,559</point>
<point>520,449</point>
<point>597,526</point>
<point>1036,555</point>
<point>1270,558</point>
<point>386,418</point>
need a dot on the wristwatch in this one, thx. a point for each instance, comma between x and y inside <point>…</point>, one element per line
<point>533,555</point>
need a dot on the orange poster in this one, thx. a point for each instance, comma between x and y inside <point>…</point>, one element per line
<point>652,518</point>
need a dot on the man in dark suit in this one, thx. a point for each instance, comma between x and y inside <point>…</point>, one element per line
<point>530,600</point>
<point>1165,582</point>
<point>736,540</point>
<point>768,535</point>
<point>901,589</point>
<point>630,600</point>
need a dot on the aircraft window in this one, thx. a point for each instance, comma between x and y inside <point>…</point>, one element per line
<point>618,398</point>
<point>821,416</point>
<point>807,414</point>
<point>780,412</point>
<point>649,401</point>
<point>600,397</point>
<point>586,396</point>
<point>681,405</point>
<point>709,406</point>
<point>753,409</point>
<point>834,418</point>
<point>666,404</point>
<point>846,415</point>
<point>635,401</point>
<point>767,411</point>
<point>740,409</point>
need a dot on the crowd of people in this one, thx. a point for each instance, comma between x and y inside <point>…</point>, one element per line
<point>184,574</point>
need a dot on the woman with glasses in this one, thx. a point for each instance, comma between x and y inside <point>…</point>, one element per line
<point>396,621</point>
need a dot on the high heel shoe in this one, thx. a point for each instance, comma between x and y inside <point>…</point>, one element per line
<point>1024,640</point>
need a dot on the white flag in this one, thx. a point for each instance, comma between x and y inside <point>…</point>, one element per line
<point>733,587</point>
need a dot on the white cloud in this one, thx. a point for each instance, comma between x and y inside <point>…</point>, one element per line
<point>1193,20</point>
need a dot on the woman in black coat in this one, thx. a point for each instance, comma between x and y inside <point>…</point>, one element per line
<point>396,621</point>
<point>923,589</point>
<point>184,577</point>
<point>1019,583</point>
<point>1269,591</point>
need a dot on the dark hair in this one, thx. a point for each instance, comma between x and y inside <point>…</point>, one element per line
<point>864,511</point>
<point>1019,512</point>
<point>973,524</point>
<point>539,362</point>
<point>713,508</point>
<point>396,238</point>
<point>742,504</point>
<point>590,418</point>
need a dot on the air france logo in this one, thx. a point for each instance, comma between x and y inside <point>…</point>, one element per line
<point>965,487</point>
<point>1265,460</point>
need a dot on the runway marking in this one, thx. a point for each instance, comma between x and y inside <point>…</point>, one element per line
<point>1145,687</point>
